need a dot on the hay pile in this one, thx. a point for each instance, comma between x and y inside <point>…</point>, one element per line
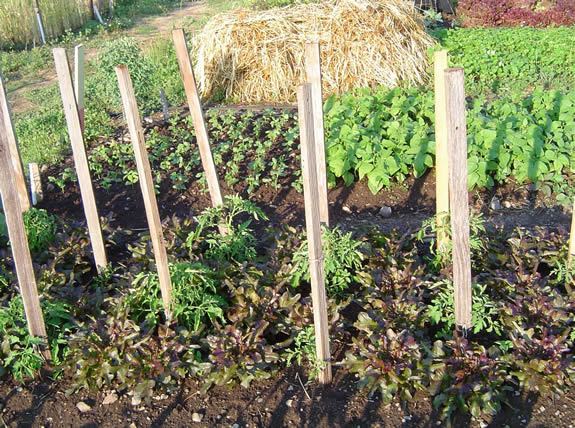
<point>258,56</point>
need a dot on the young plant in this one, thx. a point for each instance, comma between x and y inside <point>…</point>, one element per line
<point>342,261</point>
<point>40,229</point>
<point>238,242</point>
<point>484,312</point>
<point>194,293</point>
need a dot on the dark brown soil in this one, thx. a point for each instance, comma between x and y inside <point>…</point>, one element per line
<point>285,399</point>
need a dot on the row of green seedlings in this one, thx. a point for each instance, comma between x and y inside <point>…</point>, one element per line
<point>243,154</point>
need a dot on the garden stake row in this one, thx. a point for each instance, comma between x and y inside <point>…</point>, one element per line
<point>458,195</point>
<point>17,233</point>
<point>441,154</point>
<point>14,151</point>
<point>147,184</point>
<point>80,157</point>
<point>79,85</point>
<point>313,230</point>
<point>313,76</point>
<point>197,115</point>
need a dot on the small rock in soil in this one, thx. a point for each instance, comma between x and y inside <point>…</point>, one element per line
<point>385,211</point>
<point>495,204</point>
<point>289,403</point>
<point>83,407</point>
<point>507,204</point>
<point>346,209</point>
<point>236,426</point>
<point>197,417</point>
<point>110,398</point>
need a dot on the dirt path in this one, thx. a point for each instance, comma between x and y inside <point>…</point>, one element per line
<point>192,14</point>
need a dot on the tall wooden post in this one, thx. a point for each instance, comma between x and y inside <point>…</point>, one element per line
<point>12,146</point>
<point>197,115</point>
<point>313,75</point>
<point>17,235</point>
<point>313,229</point>
<point>147,184</point>
<point>79,82</point>
<point>80,157</point>
<point>111,8</point>
<point>458,194</point>
<point>441,154</point>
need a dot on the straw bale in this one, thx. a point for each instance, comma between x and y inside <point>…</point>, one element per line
<point>258,56</point>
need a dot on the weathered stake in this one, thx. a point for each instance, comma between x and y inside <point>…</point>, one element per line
<point>111,8</point>
<point>164,104</point>
<point>313,75</point>
<point>313,228</point>
<point>17,235</point>
<point>197,115</point>
<point>571,254</point>
<point>147,184</point>
<point>441,154</point>
<point>13,150</point>
<point>79,82</point>
<point>97,13</point>
<point>80,157</point>
<point>35,183</point>
<point>458,195</point>
<point>39,21</point>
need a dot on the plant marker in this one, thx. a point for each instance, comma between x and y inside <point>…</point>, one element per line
<point>313,76</point>
<point>458,195</point>
<point>313,229</point>
<point>441,154</point>
<point>147,184</point>
<point>80,157</point>
<point>13,150</point>
<point>35,183</point>
<point>39,20</point>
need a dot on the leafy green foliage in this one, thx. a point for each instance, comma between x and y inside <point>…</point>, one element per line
<point>508,60</point>
<point>484,312</point>
<point>342,259</point>
<point>19,351</point>
<point>387,135</point>
<point>237,243</point>
<point>40,228</point>
<point>194,294</point>
<point>381,135</point>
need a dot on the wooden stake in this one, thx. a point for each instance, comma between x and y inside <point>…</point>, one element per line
<point>458,194</point>
<point>147,184</point>
<point>571,254</point>
<point>17,235</point>
<point>164,104</point>
<point>111,8</point>
<point>313,73</point>
<point>441,154</point>
<point>80,157</point>
<point>97,13</point>
<point>79,81</point>
<point>39,20</point>
<point>35,183</point>
<point>313,227</point>
<point>12,147</point>
<point>197,115</point>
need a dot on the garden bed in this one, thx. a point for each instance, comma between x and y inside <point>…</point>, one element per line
<point>381,298</point>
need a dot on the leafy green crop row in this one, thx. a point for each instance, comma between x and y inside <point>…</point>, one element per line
<point>507,60</point>
<point>387,135</point>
